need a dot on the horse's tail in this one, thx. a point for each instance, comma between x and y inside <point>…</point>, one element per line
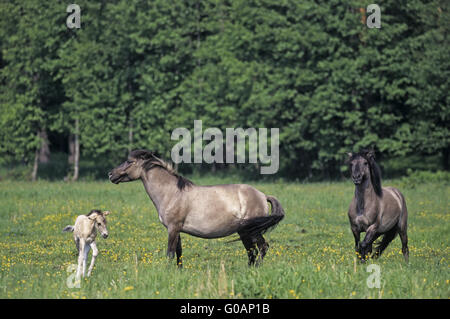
<point>260,225</point>
<point>68,228</point>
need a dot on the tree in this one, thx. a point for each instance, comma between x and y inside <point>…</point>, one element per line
<point>30,95</point>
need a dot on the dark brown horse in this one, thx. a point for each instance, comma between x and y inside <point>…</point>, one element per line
<point>375,210</point>
<point>202,211</point>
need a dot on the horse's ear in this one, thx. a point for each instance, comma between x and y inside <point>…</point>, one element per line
<point>349,156</point>
<point>368,154</point>
<point>148,160</point>
<point>106,213</point>
<point>371,154</point>
<point>156,154</point>
<point>142,154</point>
<point>147,155</point>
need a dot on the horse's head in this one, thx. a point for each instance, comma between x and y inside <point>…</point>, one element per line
<point>360,165</point>
<point>132,168</point>
<point>99,219</point>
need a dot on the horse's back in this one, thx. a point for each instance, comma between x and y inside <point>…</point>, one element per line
<point>244,195</point>
<point>217,211</point>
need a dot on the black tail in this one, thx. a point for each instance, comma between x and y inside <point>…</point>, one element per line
<point>260,225</point>
<point>68,228</point>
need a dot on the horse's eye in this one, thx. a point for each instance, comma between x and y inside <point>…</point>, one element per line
<point>365,163</point>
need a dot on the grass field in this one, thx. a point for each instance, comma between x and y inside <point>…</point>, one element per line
<point>311,251</point>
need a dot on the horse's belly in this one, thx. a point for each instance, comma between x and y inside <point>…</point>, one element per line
<point>387,224</point>
<point>210,226</point>
<point>203,233</point>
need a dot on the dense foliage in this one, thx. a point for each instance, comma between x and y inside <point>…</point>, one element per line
<point>136,70</point>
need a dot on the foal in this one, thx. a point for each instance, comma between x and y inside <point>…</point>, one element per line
<point>84,233</point>
<point>374,209</point>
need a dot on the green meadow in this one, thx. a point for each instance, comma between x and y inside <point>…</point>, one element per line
<point>310,256</point>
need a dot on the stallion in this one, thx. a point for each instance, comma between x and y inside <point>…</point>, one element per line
<point>375,210</point>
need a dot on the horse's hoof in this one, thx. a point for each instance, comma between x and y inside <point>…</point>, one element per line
<point>170,254</point>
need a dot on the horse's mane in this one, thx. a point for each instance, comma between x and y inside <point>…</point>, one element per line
<point>151,161</point>
<point>94,211</point>
<point>375,172</point>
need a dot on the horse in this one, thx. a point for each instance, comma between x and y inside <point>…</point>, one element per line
<point>84,234</point>
<point>203,211</point>
<point>375,210</point>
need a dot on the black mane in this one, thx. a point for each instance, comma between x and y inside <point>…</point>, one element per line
<point>94,211</point>
<point>183,182</point>
<point>152,160</point>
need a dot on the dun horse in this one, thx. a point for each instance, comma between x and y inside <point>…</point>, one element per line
<point>202,211</point>
<point>374,209</point>
<point>84,233</point>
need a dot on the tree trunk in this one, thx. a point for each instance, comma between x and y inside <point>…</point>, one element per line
<point>44,153</point>
<point>35,165</point>
<point>42,150</point>
<point>71,142</point>
<point>76,153</point>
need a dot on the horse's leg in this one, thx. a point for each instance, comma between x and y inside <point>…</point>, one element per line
<point>174,235</point>
<point>249,244</point>
<point>94,255</point>
<point>77,243</point>
<point>179,253</point>
<point>366,245</point>
<point>368,248</point>
<point>357,236</point>
<point>387,238</point>
<point>404,239</point>
<point>87,247</point>
<point>402,230</point>
<point>80,258</point>
<point>263,246</point>
<point>252,252</point>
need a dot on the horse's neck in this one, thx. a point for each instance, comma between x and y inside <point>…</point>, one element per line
<point>160,186</point>
<point>364,193</point>
<point>93,232</point>
<point>89,228</point>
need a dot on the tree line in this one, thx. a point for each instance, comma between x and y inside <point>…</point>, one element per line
<point>136,70</point>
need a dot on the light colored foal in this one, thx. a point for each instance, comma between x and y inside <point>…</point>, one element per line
<point>84,234</point>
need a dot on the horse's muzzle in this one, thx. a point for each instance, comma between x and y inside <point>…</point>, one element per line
<point>112,179</point>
